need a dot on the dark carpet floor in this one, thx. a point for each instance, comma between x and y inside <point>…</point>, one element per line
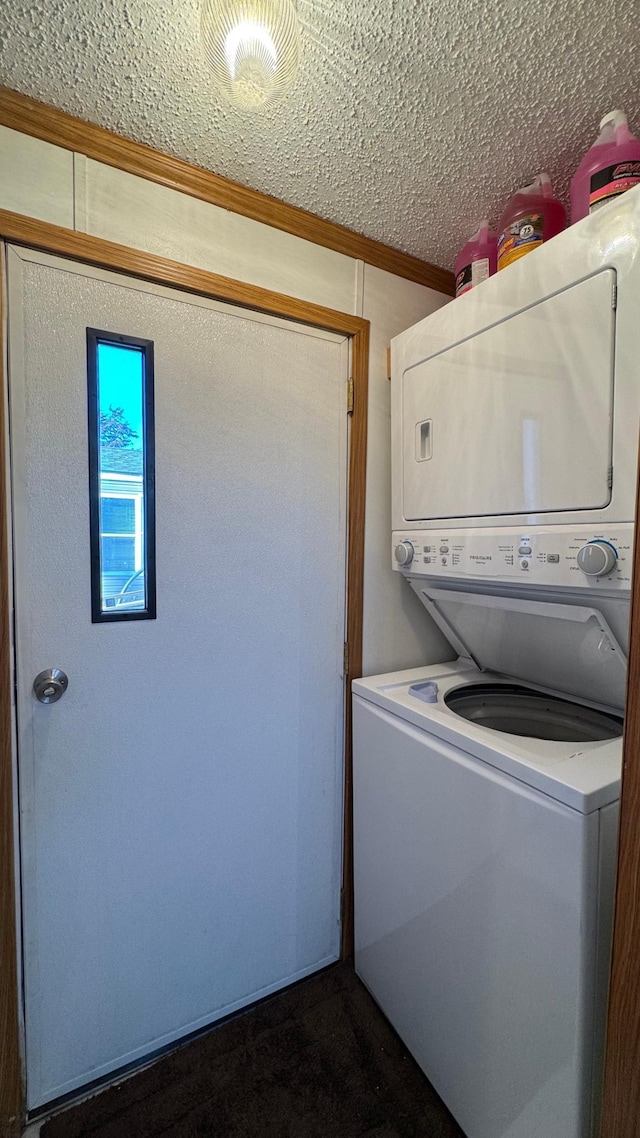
<point>317,1061</point>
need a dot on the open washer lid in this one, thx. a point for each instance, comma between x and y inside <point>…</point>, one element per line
<point>562,647</point>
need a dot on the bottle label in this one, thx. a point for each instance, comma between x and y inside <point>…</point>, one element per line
<point>463,280</point>
<point>612,181</point>
<point>520,238</point>
<point>479,271</point>
<point>473,274</point>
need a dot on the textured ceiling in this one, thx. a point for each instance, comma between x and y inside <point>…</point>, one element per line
<point>409,120</point>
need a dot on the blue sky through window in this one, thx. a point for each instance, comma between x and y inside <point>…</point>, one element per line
<point>120,384</point>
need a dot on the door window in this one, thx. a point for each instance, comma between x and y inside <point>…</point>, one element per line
<point>121,476</point>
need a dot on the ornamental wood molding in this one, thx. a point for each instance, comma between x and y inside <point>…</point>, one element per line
<point>21,113</point>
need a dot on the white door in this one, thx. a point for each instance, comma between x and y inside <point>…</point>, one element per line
<point>518,418</point>
<point>181,803</point>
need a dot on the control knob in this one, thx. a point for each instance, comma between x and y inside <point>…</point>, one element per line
<point>597,558</point>
<point>403,553</point>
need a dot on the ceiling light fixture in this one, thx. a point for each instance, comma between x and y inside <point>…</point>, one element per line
<point>252,47</point>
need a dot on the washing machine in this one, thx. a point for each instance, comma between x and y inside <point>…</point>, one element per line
<point>485,830</point>
<point>486,789</point>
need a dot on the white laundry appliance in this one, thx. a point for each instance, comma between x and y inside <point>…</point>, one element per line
<point>486,790</point>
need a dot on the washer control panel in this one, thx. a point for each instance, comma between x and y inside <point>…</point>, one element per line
<point>565,555</point>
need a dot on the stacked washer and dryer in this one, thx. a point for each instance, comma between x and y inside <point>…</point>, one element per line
<point>486,789</point>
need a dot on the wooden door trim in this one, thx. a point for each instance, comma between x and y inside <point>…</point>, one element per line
<point>158,270</point>
<point>147,266</point>
<point>621,1097</point>
<point>11,1096</point>
<point>355,568</point>
<point>27,115</point>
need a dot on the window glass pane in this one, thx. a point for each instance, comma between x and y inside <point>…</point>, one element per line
<point>117,515</point>
<point>121,456</point>
<point>118,555</point>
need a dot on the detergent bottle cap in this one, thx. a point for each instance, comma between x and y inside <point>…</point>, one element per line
<point>543,182</point>
<point>617,118</point>
<point>614,127</point>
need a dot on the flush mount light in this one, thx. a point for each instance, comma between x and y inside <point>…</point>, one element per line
<point>252,47</point>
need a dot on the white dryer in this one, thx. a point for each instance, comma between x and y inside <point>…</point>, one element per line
<point>485,791</point>
<point>517,404</point>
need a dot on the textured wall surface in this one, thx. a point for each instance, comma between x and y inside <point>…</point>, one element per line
<point>409,119</point>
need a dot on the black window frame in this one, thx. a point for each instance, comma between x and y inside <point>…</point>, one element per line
<point>96,336</point>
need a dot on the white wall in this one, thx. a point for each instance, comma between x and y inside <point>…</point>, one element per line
<point>52,184</point>
<point>36,178</point>
<point>396,634</point>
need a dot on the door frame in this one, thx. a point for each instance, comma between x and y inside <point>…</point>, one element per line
<point>159,270</point>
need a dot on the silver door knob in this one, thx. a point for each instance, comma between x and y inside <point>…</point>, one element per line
<point>50,685</point>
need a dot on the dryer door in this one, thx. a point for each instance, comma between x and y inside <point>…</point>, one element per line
<point>518,418</point>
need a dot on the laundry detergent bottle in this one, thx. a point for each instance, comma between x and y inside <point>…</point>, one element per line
<point>610,167</point>
<point>476,260</point>
<point>532,215</point>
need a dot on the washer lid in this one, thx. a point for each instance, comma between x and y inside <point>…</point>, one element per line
<point>565,648</point>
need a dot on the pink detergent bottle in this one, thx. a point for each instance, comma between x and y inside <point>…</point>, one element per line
<point>610,167</point>
<point>476,260</point>
<point>532,215</point>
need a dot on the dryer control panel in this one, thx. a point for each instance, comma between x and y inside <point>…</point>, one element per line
<point>570,556</point>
